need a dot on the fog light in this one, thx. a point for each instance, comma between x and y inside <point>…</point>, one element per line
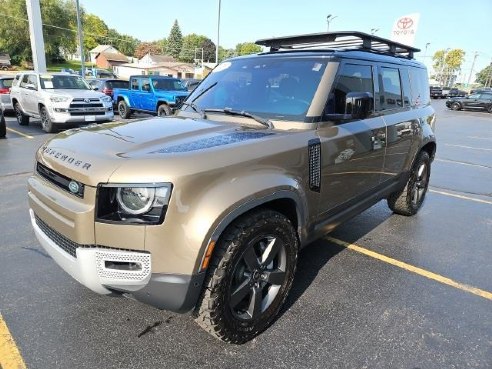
<point>60,110</point>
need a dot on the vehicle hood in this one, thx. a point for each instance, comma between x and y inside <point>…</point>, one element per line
<point>171,94</point>
<point>75,93</point>
<point>171,145</point>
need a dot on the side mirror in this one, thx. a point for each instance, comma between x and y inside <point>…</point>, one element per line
<point>358,105</point>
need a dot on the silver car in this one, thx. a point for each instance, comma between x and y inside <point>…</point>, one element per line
<point>5,100</point>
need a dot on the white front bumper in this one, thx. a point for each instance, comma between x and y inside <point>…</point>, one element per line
<point>89,267</point>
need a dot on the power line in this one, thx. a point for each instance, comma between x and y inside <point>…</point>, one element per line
<point>73,30</point>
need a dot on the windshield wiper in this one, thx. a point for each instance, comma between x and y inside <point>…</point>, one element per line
<point>195,108</point>
<point>266,122</point>
<point>203,92</point>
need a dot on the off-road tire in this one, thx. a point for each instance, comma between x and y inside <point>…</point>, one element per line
<point>22,119</point>
<point>124,110</point>
<point>456,106</point>
<point>163,110</point>
<point>46,122</point>
<point>409,200</point>
<point>215,311</point>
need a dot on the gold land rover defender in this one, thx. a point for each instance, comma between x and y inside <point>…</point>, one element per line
<point>205,211</point>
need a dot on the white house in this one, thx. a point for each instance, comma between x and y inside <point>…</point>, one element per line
<point>171,69</point>
<point>154,59</point>
<point>102,49</point>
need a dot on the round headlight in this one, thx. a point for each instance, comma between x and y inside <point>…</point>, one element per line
<point>136,200</point>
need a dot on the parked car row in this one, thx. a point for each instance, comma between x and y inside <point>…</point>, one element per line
<point>476,101</point>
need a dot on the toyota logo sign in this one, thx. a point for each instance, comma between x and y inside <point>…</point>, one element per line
<point>405,23</point>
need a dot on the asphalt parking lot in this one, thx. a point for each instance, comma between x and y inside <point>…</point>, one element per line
<point>381,291</point>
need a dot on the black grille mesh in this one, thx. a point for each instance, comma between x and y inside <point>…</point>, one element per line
<point>315,165</point>
<point>60,240</point>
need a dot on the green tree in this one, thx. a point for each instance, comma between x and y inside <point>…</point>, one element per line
<point>191,48</point>
<point>58,16</point>
<point>226,53</point>
<point>174,41</point>
<point>484,77</point>
<point>247,48</point>
<point>147,47</point>
<point>447,64</point>
<point>124,43</point>
<point>95,31</point>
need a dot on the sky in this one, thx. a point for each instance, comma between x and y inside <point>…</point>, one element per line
<point>443,23</point>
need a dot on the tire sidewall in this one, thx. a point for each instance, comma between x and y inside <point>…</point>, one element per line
<point>18,114</point>
<point>46,123</point>
<point>423,158</point>
<point>123,109</point>
<point>247,329</point>
<point>456,106</point>
<point>163,110</point>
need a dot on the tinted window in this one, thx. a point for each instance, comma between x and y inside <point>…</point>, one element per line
<point>6,83</point>
<point>405,82</point>
<point>117,84</point>
<point>146,84</point>
<point>134,84</point>
<point>351,78</point>
<point>390,95</point>
<point>486,96</point>
<point>168,85</point>
<point>419,85</point>
<point>273,87</point>
<point>24,80</point>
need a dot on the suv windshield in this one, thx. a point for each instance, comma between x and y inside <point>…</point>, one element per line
<point>168,85</point>
<point>273,88</point>
<point>59,82</point>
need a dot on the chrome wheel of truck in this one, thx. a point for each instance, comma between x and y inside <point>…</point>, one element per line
<point>250,276</point>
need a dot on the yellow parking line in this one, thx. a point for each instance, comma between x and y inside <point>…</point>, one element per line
<point>461,196</point>
<point>10,357</point>
<point>19,133</point>
<point>413,269</point>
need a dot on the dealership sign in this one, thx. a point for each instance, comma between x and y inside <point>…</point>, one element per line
<point>405,28</point>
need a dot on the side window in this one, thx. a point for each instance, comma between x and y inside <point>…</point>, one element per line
<point>16,80</point>
<point>419,85</point>
<point>486,96</point>
<point>24,80</point>
<point>146,84</point>
<point>33,80</point>
<point>390,95</point>
<point>405,83</point>
<point>134,84</point>
<point>351,78</point>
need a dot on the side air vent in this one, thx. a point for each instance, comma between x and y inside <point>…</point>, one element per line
<point>314,149</point>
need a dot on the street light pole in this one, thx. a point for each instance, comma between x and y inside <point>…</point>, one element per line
<point>218,35</point>
<point>374,30</point>
<point>81,40</point>
<point>471,69</point>
<point>329,18</point>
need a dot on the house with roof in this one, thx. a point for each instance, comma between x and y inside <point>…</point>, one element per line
<point>101,49</point>
<point>108,60</point>
<point>154,59</point>
<point>170,69</point>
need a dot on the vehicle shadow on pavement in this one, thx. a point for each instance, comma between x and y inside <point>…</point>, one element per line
<point>318,254</point>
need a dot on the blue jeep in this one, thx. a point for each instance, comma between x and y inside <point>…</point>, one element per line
<point>150,94</point>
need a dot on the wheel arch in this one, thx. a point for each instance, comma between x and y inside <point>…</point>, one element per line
<point>286,202</point>
<point>431,148</point>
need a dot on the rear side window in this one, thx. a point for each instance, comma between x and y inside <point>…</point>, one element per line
<point>486,96</point>
<point>405,83</point>
<point>134,84</point>
<point>6,83</point>
<point>24,80</point>
<point>117,84</point>
<point>390,95</point>
<point>351,78</point>
<point>420,87</point>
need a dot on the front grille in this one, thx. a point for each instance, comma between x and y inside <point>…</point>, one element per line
<point>59,180</point>
<point>92,99</point>
<point>69,246</point>
<point>89,105</point>
<point>82,113</point>
<point>179,101</point>
<point>60,240</point>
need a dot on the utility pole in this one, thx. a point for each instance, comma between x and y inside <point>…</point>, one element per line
<point>36,35</point>
<point>81,41</point>
<point>218,36</point>
<point>471,69</point>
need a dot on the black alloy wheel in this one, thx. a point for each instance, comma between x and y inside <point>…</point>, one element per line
<point>22,119</point>
<point>409,200</point>
<point>123,109</point>
<point>455,106</point>
<point>249,277</point>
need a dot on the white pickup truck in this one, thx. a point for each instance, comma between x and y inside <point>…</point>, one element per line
<point>60,100</point>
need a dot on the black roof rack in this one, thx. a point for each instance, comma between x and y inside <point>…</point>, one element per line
<point>347,40</point>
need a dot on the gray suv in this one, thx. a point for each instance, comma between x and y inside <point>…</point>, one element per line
<point>206,211</point>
